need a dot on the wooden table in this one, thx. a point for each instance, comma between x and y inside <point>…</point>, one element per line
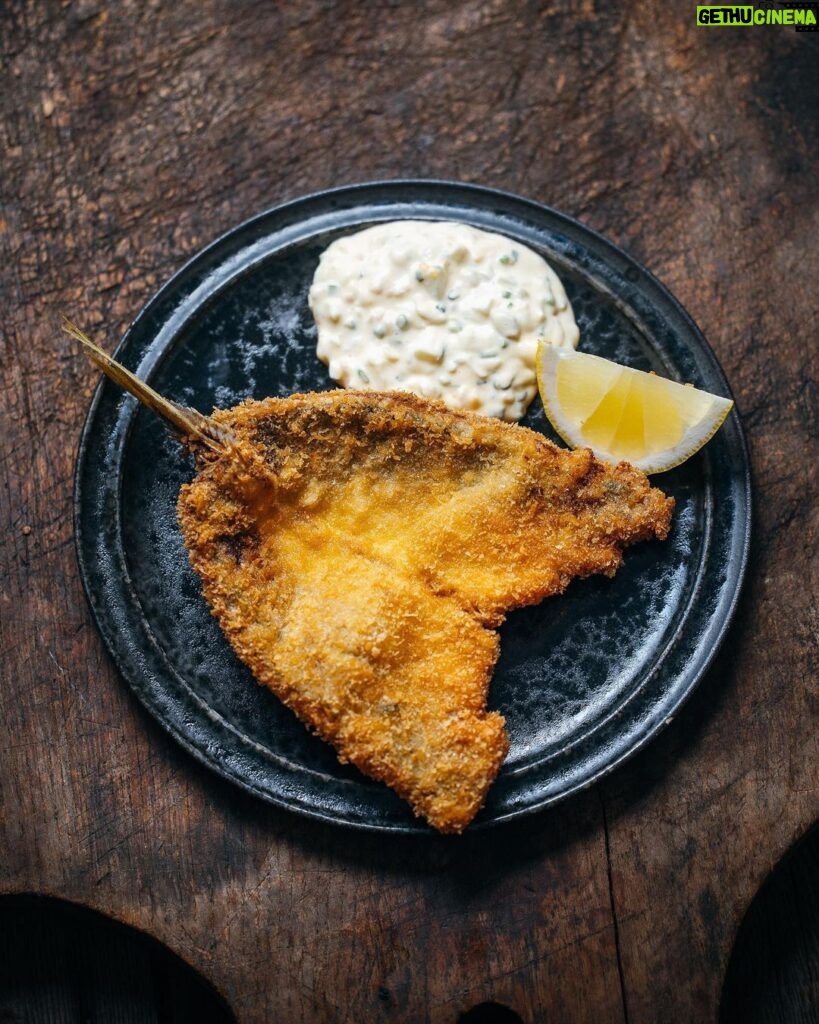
<point>135,132</point>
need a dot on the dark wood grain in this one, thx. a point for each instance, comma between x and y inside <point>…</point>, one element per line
<point>133,133</point>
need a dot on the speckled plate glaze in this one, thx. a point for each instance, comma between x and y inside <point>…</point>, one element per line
<point>584,680</point>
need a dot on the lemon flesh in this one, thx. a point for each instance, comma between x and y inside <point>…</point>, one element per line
<point>625,414</point>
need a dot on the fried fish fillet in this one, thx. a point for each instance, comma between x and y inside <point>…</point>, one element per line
<point>361,550</point>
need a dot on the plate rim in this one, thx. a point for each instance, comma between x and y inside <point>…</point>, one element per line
<point>717,625</point>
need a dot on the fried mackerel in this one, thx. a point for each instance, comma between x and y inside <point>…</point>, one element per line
<point>360,550</point>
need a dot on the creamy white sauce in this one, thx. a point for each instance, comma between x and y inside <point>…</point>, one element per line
<point>440,309</point>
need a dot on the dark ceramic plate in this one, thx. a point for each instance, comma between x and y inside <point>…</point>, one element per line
<point>583,680</point>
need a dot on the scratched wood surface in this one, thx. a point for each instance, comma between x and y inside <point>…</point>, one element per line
<point>133,133</point>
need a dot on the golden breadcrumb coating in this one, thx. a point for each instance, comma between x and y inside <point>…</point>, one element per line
<point>359,550</point>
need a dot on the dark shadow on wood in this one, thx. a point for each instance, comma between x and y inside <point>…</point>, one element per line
<point>60,962</point>
<point>490,1013</point>
<point>773,973</point>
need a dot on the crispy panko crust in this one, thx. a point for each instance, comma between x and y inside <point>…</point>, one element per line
<point>361,550</point>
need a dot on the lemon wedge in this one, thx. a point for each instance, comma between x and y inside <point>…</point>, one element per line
<point>625,414</point>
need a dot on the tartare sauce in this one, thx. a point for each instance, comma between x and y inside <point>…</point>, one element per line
<point>440,309</point>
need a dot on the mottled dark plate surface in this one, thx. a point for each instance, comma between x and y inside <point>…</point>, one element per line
<point>583,679</point>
